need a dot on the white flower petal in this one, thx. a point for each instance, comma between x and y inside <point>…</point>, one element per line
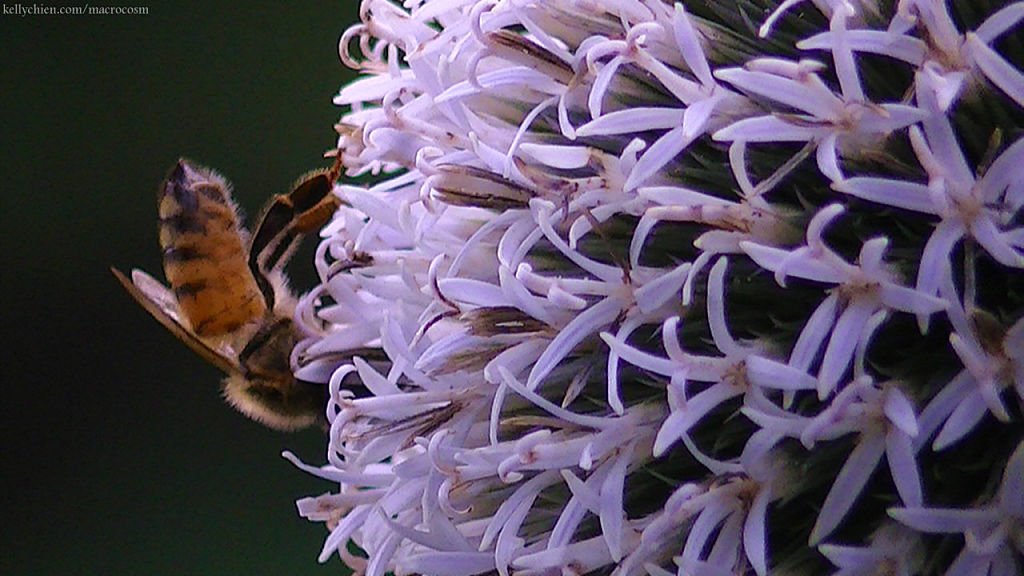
<point>767,129</point>
<point>632,120</point>
<point>771,374</point>
<point>657,156</point>
<point>612,514</point>
<point>996,69</point>
<point>901,47</point>
<point>965,417</point>
<point>588,323</point>
<point>942,520</point>
<point>852,478</point>
<point>792,263</point>
<point>899,453</point>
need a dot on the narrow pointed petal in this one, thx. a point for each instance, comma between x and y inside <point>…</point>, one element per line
<point>850,482</point>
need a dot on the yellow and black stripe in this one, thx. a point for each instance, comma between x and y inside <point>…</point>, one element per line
<point>204,256</point>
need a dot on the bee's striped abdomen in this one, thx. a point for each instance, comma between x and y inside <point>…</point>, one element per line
<point>204,254</point>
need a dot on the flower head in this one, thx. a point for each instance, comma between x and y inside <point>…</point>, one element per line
<point>593,307</point>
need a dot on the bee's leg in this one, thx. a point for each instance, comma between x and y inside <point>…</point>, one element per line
<point>306,208</point>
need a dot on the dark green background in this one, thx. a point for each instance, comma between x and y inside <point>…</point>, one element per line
<point>118,455</point>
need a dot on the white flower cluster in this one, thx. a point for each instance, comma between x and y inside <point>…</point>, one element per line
<point>523,320</point>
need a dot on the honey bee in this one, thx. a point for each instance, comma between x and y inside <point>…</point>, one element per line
<point>229,298</point>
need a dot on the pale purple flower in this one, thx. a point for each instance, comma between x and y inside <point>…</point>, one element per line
<point>993,531</point>
<point>894,550</point>
<point>835,124</point>
<point>989,369</point>
<point>951,59</point>
<point>548,326</point>
<point>703,100</point>
<point>865,289</point>
<point>731,375</point>
<point>726,522</point>
<point>983,208</point>
<point>885,422</point>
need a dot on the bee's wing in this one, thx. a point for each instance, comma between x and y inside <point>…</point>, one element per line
<point>161,304</point>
